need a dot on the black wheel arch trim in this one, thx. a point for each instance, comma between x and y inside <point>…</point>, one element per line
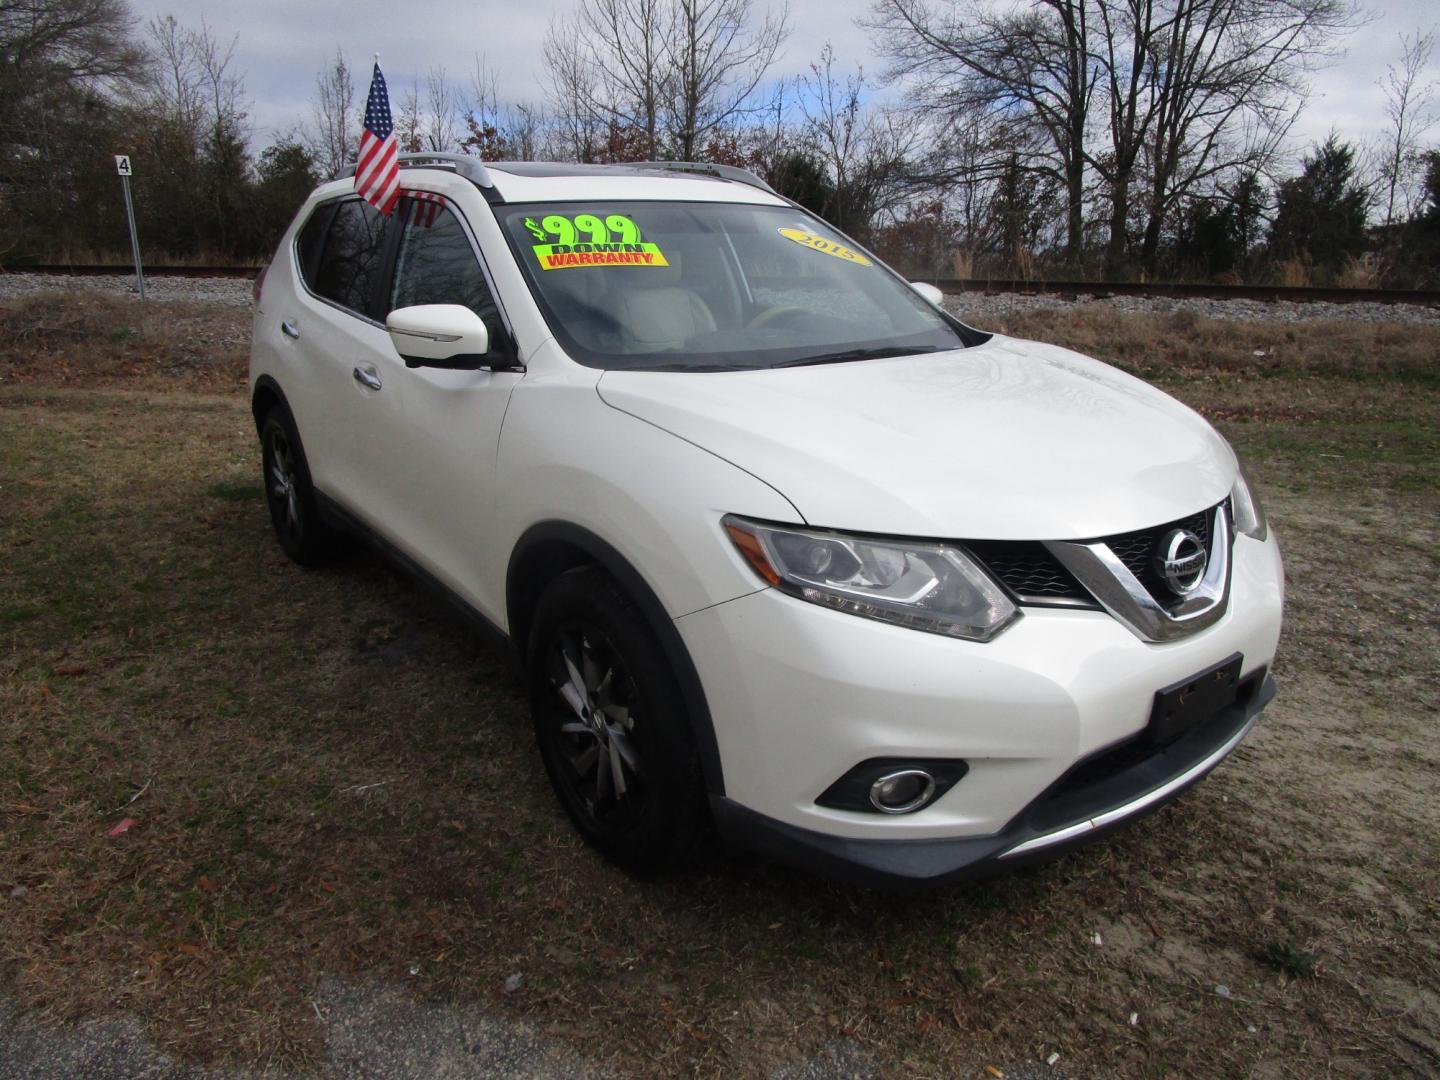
<point>519,601</point>
<point>266,384</point>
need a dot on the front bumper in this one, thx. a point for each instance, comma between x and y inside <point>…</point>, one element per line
<point>1097,796</point>
<point>800,694</point>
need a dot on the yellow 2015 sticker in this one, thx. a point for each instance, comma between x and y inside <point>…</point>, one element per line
<point>609,241</point>
<point>829,247</point>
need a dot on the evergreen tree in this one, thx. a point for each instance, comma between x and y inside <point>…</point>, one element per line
<point>1320,214</point>
<point>286,174</point>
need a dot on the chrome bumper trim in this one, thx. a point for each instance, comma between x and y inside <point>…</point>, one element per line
<point>1135,806</point>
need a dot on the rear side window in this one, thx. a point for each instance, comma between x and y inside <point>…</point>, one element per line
<point>311,241</point>
<point>354,257</point>
<point>436,264</point>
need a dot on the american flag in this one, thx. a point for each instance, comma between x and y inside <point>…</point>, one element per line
<point>377,173</point>
<point>427,207</point>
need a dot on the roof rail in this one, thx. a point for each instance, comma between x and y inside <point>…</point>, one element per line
<point>461,164</point>
<point>722,172</point>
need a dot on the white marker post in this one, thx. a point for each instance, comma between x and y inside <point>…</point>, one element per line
<point>122,166</point>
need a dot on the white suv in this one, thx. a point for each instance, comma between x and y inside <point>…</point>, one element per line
<point>780,545</point>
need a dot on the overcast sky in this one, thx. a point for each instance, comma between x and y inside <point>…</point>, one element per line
<point>283,43</point>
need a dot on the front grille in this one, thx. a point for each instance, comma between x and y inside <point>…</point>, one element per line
<point>1036,577</point>
<point>1137,550</point>
<point>1030,572</point>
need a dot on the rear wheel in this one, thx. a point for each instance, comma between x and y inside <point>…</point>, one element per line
<point>612,726</point>
<point>289,494</point>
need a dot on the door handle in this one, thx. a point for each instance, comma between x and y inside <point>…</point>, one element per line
<point>289,329</point>
<point>367,378</point>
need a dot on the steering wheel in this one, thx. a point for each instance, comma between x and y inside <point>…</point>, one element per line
<point>770,315</point>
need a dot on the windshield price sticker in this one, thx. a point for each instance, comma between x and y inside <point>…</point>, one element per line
<point>589,240</point>
<point>828,247</point>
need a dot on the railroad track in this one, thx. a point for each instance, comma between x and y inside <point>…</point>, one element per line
<point>1063,289</point>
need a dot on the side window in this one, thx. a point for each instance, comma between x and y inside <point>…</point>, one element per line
<point>354,256</point>
<point>436,264</point>
<point>311,240</point>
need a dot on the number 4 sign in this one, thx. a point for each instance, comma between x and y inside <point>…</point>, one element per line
<point>122,166</point>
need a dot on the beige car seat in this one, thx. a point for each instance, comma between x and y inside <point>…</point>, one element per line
<point>654,311</point>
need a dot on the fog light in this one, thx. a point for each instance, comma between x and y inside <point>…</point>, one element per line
<point>902,792</point>
<point>893,785</point>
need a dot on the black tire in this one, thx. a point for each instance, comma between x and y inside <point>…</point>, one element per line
<point>289,494</point>
<point>589,641</point>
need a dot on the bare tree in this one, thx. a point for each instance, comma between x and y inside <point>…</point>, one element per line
<point>64,66</point>
<point>866,151</point>
<point>1128,51</point>
<point>443,113</point>
<point>334,137</point>
<point>409,122</point>
<point>1409,111</point>
<point>718,57</point>
<point>194,135</point>
<point>1028,66</point>
<point>67,39</point>
<point>488,124</point>
<point>608,66</point>
<point>1225,79</point>
<point>484,102</point>
<point>223,87</point>
<point>194,84</point>
<point>572,85</point>
<point>658,77</point>
<point>1190,89</point>
<point>48,45</point>
<point>177,90</point>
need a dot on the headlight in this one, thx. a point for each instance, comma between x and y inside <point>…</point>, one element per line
<point>925,586</point>
<point>1249,516</point>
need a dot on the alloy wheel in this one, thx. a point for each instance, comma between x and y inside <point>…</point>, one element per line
<point>593,710</point>
<point>282,482</point>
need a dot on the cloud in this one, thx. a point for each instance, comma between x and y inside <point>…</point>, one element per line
<point>282,44</point>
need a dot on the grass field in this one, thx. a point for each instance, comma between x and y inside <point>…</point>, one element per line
<point>329,779</point>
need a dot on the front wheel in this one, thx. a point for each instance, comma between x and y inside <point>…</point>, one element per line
<point>612,725</point>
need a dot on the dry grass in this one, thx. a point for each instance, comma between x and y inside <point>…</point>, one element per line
<point>1186,348</point>
<point>1359,273</point>
<point>100,339</point>
<point>330,779</point>
<point>1295,272</point>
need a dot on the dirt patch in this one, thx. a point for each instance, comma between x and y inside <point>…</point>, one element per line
<point>329,783</point>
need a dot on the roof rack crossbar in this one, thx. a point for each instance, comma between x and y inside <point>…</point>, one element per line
<point>723,172</point>
<point>461,164</point>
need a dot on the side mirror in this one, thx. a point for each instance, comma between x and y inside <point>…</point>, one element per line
<point>439,336</point>
<point>929,292</point>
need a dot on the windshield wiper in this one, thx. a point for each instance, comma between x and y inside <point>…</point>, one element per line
<point>878,353</point>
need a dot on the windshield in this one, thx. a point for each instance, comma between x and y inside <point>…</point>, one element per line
<point>680,286</point>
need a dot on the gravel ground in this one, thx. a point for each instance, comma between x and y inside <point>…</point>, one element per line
<point>232,292</point>
<point>374,1031</point>
<point>370,1032</point>
<point>237,293</point>
<point>977,306</point>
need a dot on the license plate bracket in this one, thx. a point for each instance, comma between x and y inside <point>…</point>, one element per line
<point>1181,706</point>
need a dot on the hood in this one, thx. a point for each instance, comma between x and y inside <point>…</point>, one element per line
<point>1009,440</point>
